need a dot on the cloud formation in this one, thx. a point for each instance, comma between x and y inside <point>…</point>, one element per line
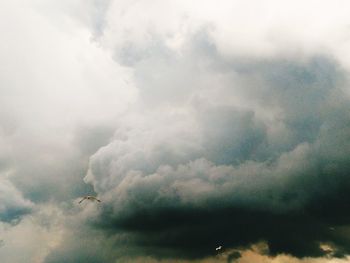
<point>197,124</point>
<point>227,176</point>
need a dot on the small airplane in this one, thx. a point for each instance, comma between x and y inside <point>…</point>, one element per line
<point>91,198</point>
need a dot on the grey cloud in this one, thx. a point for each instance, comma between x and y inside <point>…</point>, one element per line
<point>89,138</point>
<point>13,205</point>
<point>98,13</point>
<point>234,182</point>
<point>76,255</point>
<point>231,135</point>
<point>170,80</point>
<point>214,144</point>
<point>41,179</point>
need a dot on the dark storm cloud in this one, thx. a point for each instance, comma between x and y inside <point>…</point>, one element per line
<point>238,183</point>
<point>231,135</point>
<point>76,254</point>
<point>199,127</point>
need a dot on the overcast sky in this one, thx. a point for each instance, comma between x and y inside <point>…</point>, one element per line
<point>197,123</point>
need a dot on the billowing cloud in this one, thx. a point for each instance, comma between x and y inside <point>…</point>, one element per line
<point>227,174</point>
<point>197,124</point>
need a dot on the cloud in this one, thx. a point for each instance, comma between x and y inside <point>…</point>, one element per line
<point>222,175</point>
<point>34,236</point>
<point>195,123</point>
<point>13,205</point>
<point>51,90</point>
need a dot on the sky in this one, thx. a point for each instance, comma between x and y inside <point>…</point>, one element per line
<point>196,123</point>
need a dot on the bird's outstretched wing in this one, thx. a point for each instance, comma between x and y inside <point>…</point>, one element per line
<point>82,200</point>
<point>98,200</point>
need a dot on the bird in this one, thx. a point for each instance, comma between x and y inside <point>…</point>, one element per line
<point>91,198</point>
<point>218,248</point>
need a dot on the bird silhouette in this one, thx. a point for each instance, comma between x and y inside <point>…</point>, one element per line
<point>91,198</point>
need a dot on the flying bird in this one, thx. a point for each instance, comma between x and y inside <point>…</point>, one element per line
<point>91,198</point>
<point>218,248</point>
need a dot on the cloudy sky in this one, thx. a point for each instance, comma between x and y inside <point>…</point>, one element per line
<point>197,123</point>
